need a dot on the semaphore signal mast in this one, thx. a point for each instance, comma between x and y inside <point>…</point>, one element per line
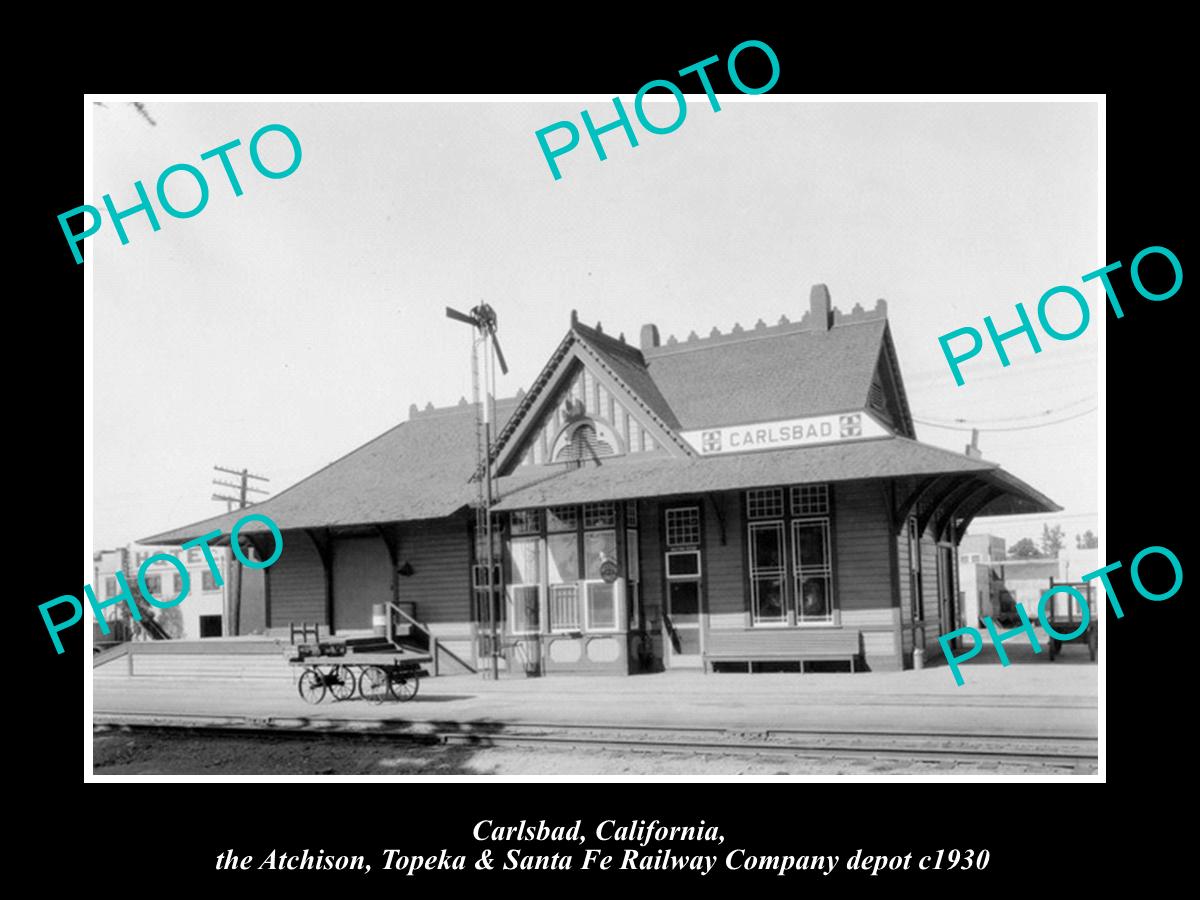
<point>485,348</point>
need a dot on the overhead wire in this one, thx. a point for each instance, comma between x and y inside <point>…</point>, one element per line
<point>1010,427</point>
<point>1046,412</point>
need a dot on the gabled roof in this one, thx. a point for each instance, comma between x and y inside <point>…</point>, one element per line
<point>825,363</point>
<point>771,373</point>
<point>420,469</point>
<point>628,365</point>
<point>614,362</point>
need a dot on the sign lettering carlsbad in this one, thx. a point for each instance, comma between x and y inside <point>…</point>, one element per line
<point>783,434</point>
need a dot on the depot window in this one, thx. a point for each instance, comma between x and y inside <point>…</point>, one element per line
<point>790,556</point>
<point>555,583</point>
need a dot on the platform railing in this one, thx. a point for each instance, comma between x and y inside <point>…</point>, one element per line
<point>432,644</point>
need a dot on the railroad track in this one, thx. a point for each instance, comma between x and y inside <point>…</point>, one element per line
<point>1073,755</point>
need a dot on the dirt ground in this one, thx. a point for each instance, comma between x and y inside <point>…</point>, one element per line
<point>119,752</point>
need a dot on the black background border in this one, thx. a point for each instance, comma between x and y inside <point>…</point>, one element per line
<point>175,830</point>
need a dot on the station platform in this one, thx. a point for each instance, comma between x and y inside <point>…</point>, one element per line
<point>1033,697</point>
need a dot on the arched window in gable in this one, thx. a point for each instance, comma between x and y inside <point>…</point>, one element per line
<point>585,440</point>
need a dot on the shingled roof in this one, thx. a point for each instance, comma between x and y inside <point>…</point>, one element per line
<point>770,373</point>
<point>827,362</point>
<point>892,457</point>
<point>420,469</point>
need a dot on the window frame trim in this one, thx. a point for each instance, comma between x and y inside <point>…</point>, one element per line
<point>793,571</point>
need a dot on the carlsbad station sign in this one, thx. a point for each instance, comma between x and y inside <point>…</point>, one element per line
<point>788,433</point>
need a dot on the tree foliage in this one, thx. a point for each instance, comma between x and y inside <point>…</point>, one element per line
<point>170,620</point>
<point>1053,540</point>
<point>1025,548</point>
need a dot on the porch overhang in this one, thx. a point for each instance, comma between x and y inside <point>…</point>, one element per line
<point>962,486</point>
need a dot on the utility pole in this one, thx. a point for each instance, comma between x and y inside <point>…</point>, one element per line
<point>235,573</point>
<point>242,487</point>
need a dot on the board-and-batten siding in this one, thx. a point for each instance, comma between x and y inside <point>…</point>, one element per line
<point>929,582</point>
<point>439,553</point>
<point>297,583</point>
<point>362,578</point>
<point>727,602</point>
<point>598,403</point>
<point>862,561</point>
<point>650,560</point>
<point>863,569</point>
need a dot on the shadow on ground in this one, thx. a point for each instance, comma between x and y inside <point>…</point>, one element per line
<point>1073,653</point>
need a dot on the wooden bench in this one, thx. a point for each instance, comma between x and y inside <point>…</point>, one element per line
<point>800,645</point>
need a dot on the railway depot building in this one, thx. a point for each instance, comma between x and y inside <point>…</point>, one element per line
<point>749,500</point>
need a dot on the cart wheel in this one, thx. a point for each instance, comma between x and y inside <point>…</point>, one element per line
<point>312,686</point>
<point>373,684</point>
<point>341,683</point>
<point>404,687</point>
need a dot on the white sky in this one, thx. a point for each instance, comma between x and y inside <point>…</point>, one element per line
<point>281,329</point>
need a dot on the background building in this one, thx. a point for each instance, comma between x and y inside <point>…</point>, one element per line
<point>204,612</point>
<point>990,583</point>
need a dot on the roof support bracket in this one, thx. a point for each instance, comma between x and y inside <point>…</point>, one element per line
<point>718,506</point>
<point>388,536</point>
<point>951,501</point>
<point>971,510</point>
<point>909,503</point>
<point>324,543</point>
<point>954,483</point>
<point>944,527</point>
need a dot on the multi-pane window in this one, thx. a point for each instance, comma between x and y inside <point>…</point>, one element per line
<point>683,527</point>
<point>810,500</point>
<point>562,557</point>
<point>599,547</point>
<point>683,570</point>
<point>110,586</point>
<point>599,515</point>
<point>210,581</point>
<point>764,504</point>
<point>178,584</point>
<point>154,585</point>
<point>789,556</point>
<point>812,570</point>
<point>768,573</point>
<point>526,521</point>
<point>562,518</point>
<point>575,544</point>
<point>525,585</point>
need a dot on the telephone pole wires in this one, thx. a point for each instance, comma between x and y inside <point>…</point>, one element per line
<point>243,488</point>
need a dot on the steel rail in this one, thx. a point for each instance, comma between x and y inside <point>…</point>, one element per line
<point>1079,753</point>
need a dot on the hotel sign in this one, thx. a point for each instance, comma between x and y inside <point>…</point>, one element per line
<point>784,434</point>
